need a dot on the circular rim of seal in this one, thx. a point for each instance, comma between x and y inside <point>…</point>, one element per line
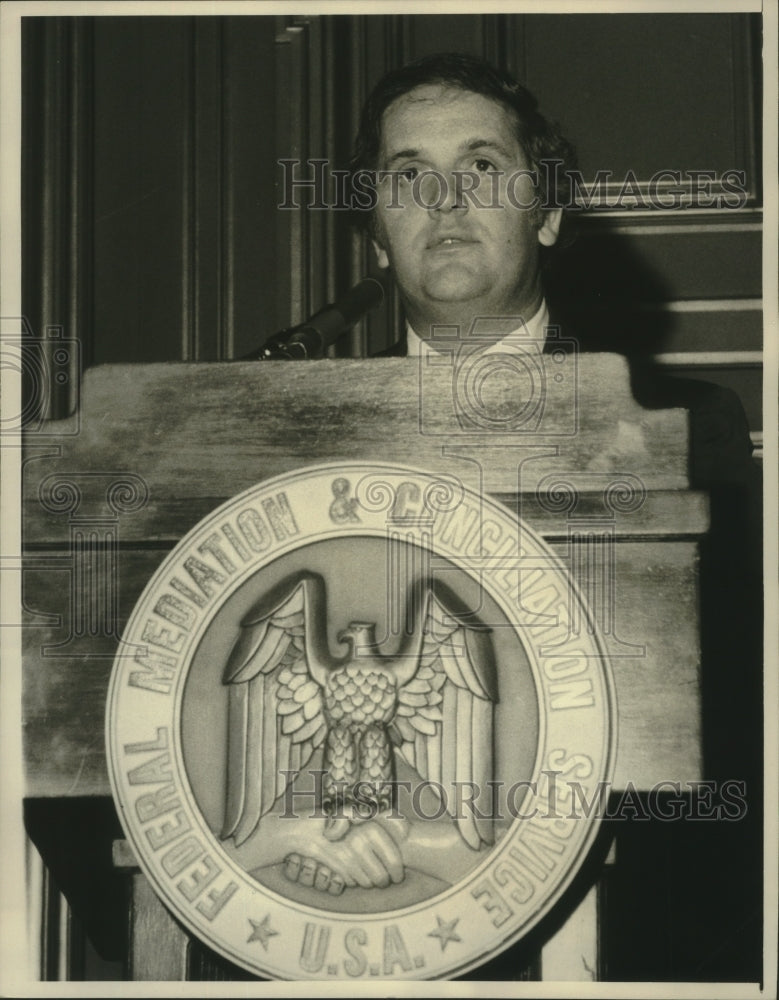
<point>224,941</point>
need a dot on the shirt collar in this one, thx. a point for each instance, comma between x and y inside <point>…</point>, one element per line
<point>531,332</point>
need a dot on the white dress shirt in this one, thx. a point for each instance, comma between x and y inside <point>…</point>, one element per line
<point>531,332</point>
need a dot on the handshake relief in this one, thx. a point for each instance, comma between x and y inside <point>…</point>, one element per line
<point>368,855</point>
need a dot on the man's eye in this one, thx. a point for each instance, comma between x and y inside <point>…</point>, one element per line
<point>484,166</point>
<point>408,173</point>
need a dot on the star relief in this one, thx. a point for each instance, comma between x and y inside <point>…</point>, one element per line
<point>445,931</point>
<point>261,931</point>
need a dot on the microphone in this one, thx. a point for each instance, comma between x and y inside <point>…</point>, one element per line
<point>311,339</point>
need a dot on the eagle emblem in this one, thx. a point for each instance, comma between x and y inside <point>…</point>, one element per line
<point>431,702</point>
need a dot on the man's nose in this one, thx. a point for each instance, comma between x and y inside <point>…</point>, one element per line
<point>446,193</point>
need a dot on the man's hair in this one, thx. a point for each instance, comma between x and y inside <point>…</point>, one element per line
<point>540,138</point>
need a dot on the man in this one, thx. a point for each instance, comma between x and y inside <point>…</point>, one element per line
<point>466,204</point>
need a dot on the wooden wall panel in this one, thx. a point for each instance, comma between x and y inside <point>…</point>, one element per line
<point>714,327</point>
<point>141,149</point>
<point>644,92</point>
<point>203,186</point>
<point>682,258</point>
<point>185,201</point>
<point>250,172</point>
<point>57,177</point>
<point>456,33</point>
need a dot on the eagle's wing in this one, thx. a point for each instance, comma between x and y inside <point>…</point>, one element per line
<point>444,720</point>
<point>275,711</point>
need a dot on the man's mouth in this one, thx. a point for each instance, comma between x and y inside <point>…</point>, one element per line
<point>449,241</point>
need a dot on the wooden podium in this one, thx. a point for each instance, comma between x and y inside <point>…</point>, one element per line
<point>155,448</point>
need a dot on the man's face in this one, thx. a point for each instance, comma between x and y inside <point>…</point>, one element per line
<point>456,260</point>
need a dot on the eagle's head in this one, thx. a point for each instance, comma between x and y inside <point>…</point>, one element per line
<point>358,635</point>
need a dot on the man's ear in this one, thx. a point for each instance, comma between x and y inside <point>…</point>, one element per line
<point>549,229</point>
<point>381,254</point>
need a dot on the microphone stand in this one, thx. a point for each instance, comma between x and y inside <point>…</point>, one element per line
<point>310,340</point>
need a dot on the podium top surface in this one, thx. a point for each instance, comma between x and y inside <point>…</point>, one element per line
<point>198,434</point>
